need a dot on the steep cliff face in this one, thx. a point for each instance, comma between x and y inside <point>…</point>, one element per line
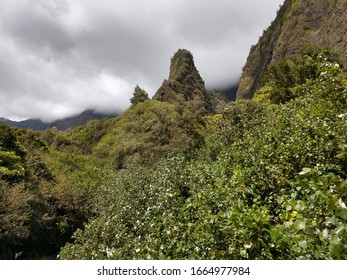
<point>184,83</point>
<point>299,23</point>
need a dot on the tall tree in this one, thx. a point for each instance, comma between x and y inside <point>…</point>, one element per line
<point>139,95</point>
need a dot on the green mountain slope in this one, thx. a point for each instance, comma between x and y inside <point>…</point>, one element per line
<point>267,182</point>
<point>298,24</point>
<point>148,131</point>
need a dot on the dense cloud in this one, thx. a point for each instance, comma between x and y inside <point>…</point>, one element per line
<point>59,57</point>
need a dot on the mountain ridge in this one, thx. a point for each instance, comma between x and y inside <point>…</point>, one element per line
<point>61,124</point>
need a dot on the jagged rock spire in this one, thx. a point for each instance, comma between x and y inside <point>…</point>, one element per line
<point>184,83</point>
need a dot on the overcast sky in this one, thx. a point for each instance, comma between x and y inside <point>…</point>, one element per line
<point>59,57</point>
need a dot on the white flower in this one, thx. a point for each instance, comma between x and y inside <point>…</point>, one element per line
<point>325,233</point>
<point>109,253</point>
<point>341,204</point>
<point>303,244</point>
<point>305,171</point>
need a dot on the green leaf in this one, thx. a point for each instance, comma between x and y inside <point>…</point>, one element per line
<point>342,213</point>
<point>276,235</point>
<point>340,230</point>
<point>299,225</point>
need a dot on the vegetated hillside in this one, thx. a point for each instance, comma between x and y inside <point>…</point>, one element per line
<point>298,23</point>
<point>45,195</point>
<point>268,181</point>
<point>261,179</point>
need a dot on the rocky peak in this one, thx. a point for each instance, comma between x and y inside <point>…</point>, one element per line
<point>182,66</point>
<point>184,83</point>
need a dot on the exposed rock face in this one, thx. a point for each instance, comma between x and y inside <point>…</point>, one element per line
<point>299,23</point>
<point>184,83</point>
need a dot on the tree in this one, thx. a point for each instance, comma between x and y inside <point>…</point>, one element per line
<point>11,155</point>
<point>139,95</point>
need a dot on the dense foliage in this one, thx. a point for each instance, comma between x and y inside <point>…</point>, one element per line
<point>262,179</point>
<point>268,183</point>
<point>148,131</point>
<point>44,195</point>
